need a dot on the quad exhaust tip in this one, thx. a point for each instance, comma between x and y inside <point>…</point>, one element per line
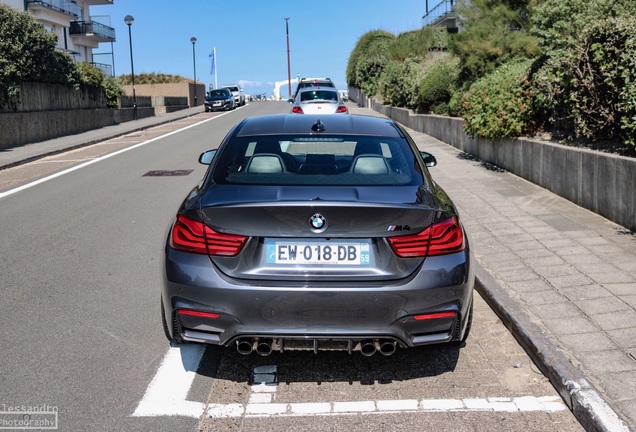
<point>264,347</point>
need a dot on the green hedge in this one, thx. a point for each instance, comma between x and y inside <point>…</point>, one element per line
<point>500,104</point>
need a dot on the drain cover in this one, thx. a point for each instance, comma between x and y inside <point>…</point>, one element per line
<point>167,173</point>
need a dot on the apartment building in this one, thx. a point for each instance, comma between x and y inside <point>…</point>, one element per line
<point>77,32</point>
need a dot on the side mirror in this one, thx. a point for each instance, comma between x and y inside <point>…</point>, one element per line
<point>206,157</point>
<point>429,159</point>
<point>290,100</point>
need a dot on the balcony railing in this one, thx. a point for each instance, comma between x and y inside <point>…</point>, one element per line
<point>63,6</point>
<point>106,69</point>
<point>92,28</point>
<point>442,10</point>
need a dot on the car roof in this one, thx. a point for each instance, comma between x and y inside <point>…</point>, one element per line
<point>280,124</point>
<point>315,79</point>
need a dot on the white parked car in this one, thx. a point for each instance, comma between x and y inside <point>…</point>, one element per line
<point>318,100</point>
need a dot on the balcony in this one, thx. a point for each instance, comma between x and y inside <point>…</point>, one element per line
<point>442,15</point>
<point>90,29</point>
<point>63,7</point>
<point>106,69</point>
<point>98,2</point>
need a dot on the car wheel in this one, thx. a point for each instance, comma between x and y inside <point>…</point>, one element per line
<point>171,339</point>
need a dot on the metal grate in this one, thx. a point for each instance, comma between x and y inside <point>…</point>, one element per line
<point>167,173</point>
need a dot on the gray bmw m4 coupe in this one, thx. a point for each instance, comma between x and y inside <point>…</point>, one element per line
<point>317,233</point>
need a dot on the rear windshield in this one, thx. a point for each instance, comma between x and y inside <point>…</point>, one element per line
<point>319,95</point>
<point>311,160</point>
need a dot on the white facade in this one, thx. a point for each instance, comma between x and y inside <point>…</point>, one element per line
<point>71,22</point>
<point>17,4</point>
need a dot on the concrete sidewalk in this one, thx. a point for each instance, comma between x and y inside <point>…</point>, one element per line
<point>562,278</point>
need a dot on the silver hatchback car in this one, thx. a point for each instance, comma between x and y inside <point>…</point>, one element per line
<point>317,233</point>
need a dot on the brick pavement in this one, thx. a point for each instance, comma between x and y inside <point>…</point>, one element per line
<point>568,275</point>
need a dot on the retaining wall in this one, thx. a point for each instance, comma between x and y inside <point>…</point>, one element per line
<point>46,111</point>
<point>48,96</point>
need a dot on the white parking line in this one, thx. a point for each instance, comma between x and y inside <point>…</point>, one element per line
<point>497,404</point>
<point>166,396</point>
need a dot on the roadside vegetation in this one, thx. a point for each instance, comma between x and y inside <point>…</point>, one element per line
<point>28,54</point>
<point>153,78</point>
<point>566,70</point>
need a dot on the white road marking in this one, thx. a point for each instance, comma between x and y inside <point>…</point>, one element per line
<point>99,159</point>
<point>498,404</point>
<point>166,394</point>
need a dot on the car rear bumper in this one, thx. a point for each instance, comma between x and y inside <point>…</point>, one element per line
<point>224,106</point>
<point>289,314</point>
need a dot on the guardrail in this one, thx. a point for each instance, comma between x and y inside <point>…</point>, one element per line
<point>67,7</point>
<point>91,28</point>
<point>442,9</point>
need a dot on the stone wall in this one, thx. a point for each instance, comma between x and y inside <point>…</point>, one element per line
<point>182,89</point>
<point>46,111</point>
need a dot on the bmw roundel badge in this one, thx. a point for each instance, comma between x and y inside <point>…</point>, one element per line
<point>318,222</point>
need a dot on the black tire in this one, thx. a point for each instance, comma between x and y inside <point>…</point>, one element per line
<point>172,339</point>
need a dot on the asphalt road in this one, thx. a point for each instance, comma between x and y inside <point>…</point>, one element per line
<point>80,260</point>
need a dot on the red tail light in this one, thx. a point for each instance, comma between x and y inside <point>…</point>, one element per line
<point>410,246</point>
<point>297,110</point>
<point>341,109</point>
<point>441,238</point>
<point>194,236</point>
<point>446,238</point>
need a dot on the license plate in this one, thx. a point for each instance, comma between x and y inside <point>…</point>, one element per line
<point>318,252</point>
<point>217,104</point>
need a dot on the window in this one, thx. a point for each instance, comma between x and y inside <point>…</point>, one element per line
<point>311,160</point>
<point>319,95</point>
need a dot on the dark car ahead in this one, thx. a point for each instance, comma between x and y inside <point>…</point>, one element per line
<point>317,233</point>
<point>219,99</point>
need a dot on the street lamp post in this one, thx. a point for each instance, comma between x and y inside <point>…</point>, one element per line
<point>128,19</point>
<point>194,63</point>
<point>288,64</point>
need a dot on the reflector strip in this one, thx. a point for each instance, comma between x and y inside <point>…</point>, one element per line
<point>439,315</point>
<point>197,313</point>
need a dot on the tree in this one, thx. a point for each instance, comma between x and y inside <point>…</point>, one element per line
<point>28,53</point>
<point>493,32</point>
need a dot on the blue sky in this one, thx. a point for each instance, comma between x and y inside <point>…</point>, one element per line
<point>249,36</point>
